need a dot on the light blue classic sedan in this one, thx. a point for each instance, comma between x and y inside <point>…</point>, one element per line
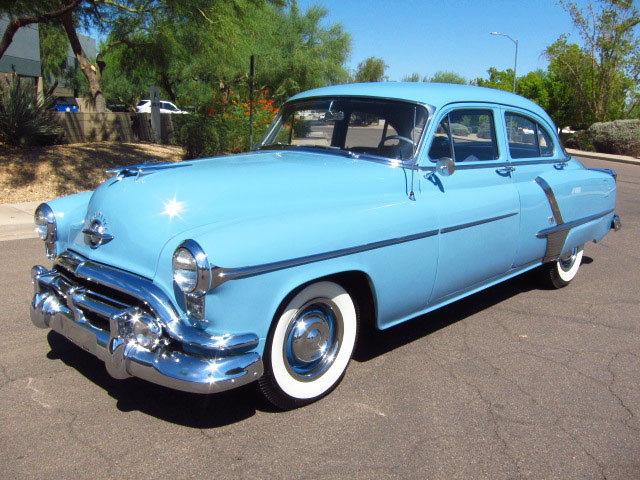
<point>362,203</point>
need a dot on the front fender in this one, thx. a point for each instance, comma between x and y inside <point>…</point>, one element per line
<point>69,212</point>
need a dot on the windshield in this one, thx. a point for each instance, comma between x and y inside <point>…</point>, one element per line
<point>358,126</point>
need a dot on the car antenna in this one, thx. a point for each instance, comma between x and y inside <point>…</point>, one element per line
<point>413,141</point>
<point>252,71</point>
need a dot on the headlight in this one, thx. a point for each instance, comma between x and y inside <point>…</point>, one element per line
<point>185,271</point>
<point>46,228</point>
<point>192,274</point>
<point>191,270</point>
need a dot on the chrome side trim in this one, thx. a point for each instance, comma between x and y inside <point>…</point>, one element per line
<point>608,171</point>
<point>555,238</point>
<point>569,225</point>
<point>221,275</point>
<point>492,164</point>
<point>476,223</point>
<point>557,216</point>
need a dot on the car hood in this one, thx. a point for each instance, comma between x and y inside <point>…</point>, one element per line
<point>144,212</point>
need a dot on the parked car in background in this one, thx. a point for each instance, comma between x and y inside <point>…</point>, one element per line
<point>165,107</point>
<point>209,274</point>
<point>65,104</point>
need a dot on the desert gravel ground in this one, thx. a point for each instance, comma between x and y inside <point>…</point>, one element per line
<point>42,173</point>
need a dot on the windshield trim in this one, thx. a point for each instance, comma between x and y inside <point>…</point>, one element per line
<point>393,162</point>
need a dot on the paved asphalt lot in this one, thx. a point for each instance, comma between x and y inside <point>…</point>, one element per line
<point>514,382</point>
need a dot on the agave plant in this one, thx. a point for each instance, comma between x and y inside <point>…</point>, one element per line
<point>26,118</point>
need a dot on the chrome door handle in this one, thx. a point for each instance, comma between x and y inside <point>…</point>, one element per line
<point>505,170</point>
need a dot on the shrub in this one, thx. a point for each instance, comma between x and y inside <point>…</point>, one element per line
<point>580,140</point>
<point>619,137</point>
<point>459,129</point>
<point>201,135</point>
<point>301,128</point>
<point>222,125</point>
<point>26,118</point>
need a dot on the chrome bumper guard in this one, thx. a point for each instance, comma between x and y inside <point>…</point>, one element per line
<point>615,223</point>
<point>101,324</point>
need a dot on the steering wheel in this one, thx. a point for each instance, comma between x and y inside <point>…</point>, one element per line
<point>397,137</point>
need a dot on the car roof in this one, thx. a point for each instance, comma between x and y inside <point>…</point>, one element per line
<point>435,94</point>
<point>66,101</point>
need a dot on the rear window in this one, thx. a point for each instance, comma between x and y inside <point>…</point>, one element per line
<point>527,139</point>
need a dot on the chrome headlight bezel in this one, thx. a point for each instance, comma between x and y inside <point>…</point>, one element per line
<point>194,294</point>
<point>47,228</point>
<point>202,281</point>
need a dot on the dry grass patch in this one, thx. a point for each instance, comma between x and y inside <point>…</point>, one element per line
<point>42,173</point>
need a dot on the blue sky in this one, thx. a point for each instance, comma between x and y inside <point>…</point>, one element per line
<point>425,36</point>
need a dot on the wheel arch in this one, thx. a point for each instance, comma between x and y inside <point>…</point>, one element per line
<point>356,282</point>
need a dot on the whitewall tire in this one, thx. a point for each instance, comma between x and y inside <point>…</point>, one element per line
<point>559,274</point>
<point>309,345</point>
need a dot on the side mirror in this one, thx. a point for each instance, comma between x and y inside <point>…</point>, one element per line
<point>445,166</point>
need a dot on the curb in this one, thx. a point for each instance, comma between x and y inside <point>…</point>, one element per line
<point>604,156</point>
<point>16,220</point>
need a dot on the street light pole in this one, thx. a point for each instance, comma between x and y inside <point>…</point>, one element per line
<point>515,63</point>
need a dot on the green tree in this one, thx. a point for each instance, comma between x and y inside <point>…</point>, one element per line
<point>498,79</point>
<point>534,86</point>
<point>603,74</point>
<point>447,77</point>
<point>371,70</point>
<point>198,53</point>
<point>303,54</point>
<point>414,77</point>
<point>53,54</point>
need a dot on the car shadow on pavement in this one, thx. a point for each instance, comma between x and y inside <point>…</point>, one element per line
<point>372,342</point>
<point>182,408</point>
<point>226,408</point>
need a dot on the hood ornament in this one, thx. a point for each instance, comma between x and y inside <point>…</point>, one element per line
<point>96,234</point>
<point>143,169</point>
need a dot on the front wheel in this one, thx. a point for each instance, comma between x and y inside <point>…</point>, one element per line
<point>309,345</point>
<point>559,274</point>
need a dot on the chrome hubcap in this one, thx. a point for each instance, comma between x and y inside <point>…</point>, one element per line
<point>313,339</point>
<point>566,263</point>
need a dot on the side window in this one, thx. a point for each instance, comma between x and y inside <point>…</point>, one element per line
<point>441,143</point>
<point>544,140</point>
<point>527,139</point>
<point>473,135</point>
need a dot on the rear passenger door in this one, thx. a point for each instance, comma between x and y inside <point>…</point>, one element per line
<point>478,206</point>
<point>537,159</point>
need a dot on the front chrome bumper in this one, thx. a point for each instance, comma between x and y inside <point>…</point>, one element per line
<point>65,302</point>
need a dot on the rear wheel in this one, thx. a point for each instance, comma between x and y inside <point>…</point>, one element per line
<point>559,274</point>
<point>309,346</point>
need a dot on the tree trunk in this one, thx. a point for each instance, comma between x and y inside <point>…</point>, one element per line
<point>85,65</point>
<point>15,24</point>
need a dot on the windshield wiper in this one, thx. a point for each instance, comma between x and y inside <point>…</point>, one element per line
<point>287,146</point>
<point>346,153</point>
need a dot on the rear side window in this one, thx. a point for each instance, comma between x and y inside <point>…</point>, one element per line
<point>527,139</point>
<point>466,136</point>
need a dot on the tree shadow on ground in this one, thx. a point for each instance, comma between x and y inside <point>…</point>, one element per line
<point>75,168</point>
